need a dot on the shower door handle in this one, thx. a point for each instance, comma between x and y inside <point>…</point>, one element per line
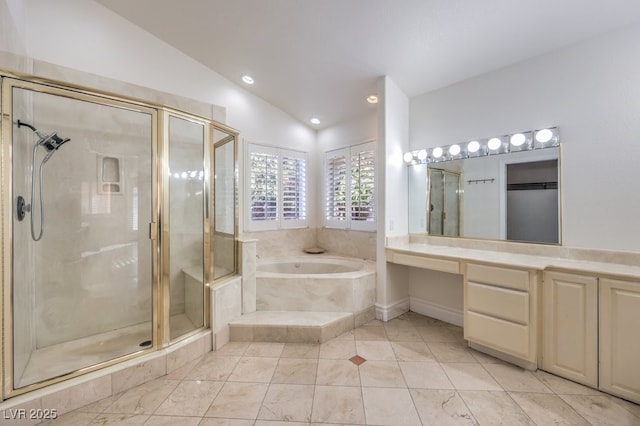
<point>153,230</point>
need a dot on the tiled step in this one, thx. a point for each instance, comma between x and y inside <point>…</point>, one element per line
<point>290,326</point>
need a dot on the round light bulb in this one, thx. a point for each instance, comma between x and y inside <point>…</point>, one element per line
<point>422,154</point>
<point>437,152</point>
<point>408,157</point>
<point>454,149</point>
<point>518,139</point>
<point>494,143</point>
<point>544,135</point>
<point>473,146</point>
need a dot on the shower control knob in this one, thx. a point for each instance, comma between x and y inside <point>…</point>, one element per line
<point>21,208</point>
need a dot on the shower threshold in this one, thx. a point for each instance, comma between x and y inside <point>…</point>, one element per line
<point>67,357</point>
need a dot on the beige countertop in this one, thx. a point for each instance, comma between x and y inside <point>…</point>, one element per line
<point>522,260</point>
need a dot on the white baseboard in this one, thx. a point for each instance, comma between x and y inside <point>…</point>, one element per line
<point>433,310</point>
<point>388,312</point>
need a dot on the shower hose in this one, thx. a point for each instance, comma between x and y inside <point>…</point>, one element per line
<point>33,192</point>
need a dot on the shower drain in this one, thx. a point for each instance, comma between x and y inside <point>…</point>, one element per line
<point>145,343</point>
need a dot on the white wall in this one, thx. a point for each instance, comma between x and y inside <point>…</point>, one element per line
<point>90,38</point>
<point>393,220</point>
<point>396,137</point>
<point>592,92</point>
<point>11,25</point>
<point>358,130</point>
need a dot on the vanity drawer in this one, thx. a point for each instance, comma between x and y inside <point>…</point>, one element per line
<point>443,265</point>
<point>496,333</point>
<point>510,305</point>
<point>504,277</point>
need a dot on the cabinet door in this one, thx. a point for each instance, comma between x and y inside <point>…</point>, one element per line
<point>570,326</point>
<point>620,338</point>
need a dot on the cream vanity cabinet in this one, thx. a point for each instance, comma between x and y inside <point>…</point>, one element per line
<point>591,331</point>
<point>620,337</point>
<point>570,326</point>
<point>500,310</point>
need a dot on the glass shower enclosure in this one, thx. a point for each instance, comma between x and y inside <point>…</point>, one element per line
<point>82,292</point>
<point>107,239</point>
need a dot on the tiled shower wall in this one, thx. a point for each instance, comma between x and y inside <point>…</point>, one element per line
<point>91,271</point>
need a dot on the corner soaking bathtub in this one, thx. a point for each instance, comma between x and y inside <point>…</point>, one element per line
<point>316,284</point>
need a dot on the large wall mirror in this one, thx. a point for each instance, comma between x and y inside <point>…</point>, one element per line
<point>513,197</point>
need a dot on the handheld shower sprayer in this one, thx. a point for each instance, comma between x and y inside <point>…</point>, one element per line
<point>51,143</point>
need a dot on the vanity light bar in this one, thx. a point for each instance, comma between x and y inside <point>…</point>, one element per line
<point>521,141</point>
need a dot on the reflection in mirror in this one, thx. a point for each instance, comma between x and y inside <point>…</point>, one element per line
<point>532,201</point>
<point>512,196</point>
<point>444,202</point>
<point>224,220</point>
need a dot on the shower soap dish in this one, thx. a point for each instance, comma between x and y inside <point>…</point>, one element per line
<point>314,250</point>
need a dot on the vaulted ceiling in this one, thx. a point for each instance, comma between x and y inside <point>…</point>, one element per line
<point>322,58</point>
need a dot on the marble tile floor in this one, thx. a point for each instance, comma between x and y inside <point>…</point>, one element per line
<point>417,370</point>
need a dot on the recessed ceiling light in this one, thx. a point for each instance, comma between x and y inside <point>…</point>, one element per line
<point>372,99</point>
<point>247,79</point>
<point>315,120</point>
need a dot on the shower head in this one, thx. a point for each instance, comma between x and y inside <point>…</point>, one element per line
<point>50,142</point>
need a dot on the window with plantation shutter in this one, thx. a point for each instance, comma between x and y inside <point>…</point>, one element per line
<point>276,188</point>
<point>350,187</point>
